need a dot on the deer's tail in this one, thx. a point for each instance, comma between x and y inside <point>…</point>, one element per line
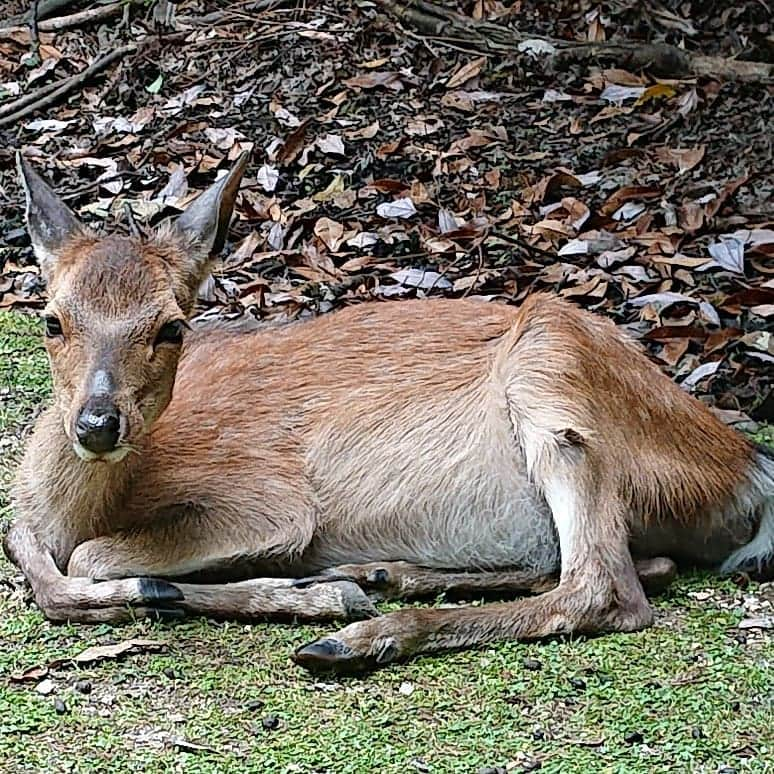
<point>757,556</point>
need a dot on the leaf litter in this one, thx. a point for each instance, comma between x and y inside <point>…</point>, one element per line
<point>391,165</point>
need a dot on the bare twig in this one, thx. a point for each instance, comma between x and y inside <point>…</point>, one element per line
<point>48,95</point>
<point>25,99</point>
<point>73,20</point>
<point>34,26</point>
<point>62,87</point>
<point>46,9</point>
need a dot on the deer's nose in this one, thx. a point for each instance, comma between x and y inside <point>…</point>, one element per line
<point>98,426</point>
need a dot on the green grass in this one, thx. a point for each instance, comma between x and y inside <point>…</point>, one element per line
<point>697,693</point>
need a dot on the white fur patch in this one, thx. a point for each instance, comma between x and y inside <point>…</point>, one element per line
<point>112,456</point>
<point>760,550</point>
<point>101,383</point>
<point>563,501</point>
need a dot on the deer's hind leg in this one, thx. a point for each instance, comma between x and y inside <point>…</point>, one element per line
<point>598,589</point>
<point>404,580</point>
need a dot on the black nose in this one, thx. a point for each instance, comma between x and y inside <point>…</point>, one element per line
<point>98,426</point>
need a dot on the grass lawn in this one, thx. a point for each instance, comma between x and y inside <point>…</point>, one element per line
<point>693,693</point>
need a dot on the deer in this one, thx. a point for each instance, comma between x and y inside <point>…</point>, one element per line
<point>387,450</point>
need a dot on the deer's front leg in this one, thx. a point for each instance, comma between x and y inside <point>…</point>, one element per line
<point>62,598</point>
<point>159,551</point>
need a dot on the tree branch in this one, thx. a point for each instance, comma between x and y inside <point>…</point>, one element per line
<point>443,24</point>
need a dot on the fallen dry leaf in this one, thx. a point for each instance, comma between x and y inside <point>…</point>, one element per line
<point>330,232</point>
<point>118,650</point>
<point>685,159</point>
<point>463,74</point>
<point>400,208</point>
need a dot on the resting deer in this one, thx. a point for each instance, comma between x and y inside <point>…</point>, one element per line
<point>396,448</point>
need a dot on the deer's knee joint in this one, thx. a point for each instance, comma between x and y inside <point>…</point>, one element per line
<point>596,602</point>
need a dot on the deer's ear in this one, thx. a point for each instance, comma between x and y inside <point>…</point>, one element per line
<point>205,223</point>
<point>50,222</point>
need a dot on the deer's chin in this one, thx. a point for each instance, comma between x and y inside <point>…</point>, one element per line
<point>110,457</point>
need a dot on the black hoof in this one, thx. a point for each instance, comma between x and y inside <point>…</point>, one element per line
<point>329,655</point>
<point>332,655</point>
<point>156,590</point>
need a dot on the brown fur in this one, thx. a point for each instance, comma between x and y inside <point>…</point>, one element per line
<point>450,437</point>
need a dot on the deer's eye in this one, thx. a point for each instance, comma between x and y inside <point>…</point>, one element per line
<point>53,326</point>
<point>170,333</point>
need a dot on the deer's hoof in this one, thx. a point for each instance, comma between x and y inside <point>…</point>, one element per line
<point>156,590</point>
<point>356,603</point>
<point>332,655</point>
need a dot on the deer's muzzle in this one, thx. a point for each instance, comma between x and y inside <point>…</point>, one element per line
<point>98,426</point>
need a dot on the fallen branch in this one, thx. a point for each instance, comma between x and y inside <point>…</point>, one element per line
<point>73,20</point>
<point>447,26</point>
<point>53,92</point>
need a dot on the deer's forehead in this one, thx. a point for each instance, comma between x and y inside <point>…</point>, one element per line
<point>115,279</point>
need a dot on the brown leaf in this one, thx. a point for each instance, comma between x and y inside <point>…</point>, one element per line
<point>365,133</point>
<point>386,79</point>
<point>547,185</point>
<point>665,332</point>
<point>673,350</point>
<point>293,144</point>
<point>119,649</point>
<point>388,148</point>
<point>245,249</point>
<point>685,159</point>
<point>465,73</point>
<point>593,288</point>
<point>690,217</point>
<point>727,191</point>
<point>330,232</point>
<point>30,675</point>
<point>387,185</point>
<point>629,193</point>
<point>423,126</point>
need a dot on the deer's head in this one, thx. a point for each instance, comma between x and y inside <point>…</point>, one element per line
<point>117,309</point>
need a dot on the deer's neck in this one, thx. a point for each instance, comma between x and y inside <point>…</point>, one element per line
<point>68,499</point>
